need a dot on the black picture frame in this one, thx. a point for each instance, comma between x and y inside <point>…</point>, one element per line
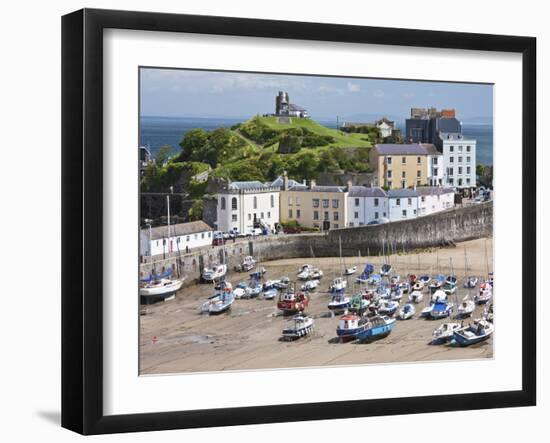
<point>82,218</point>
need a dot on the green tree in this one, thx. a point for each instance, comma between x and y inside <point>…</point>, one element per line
<point>163,154</point>
<point>196,210</point>
<point>192,141</point>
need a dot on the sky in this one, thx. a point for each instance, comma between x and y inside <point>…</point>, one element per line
<point>188,93</point>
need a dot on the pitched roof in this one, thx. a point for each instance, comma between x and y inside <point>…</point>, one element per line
<point>365,191</point>
<point>301,187</point>
<point>246,185</point>
<point>434,190</point>
<point>278,182</point>
<point>178,229</point>
<point>402,193</point>
<point>402,149</point>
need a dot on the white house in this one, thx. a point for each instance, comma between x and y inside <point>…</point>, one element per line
<point>182,238</point>
<point>435,163</point>
<point>459,156</point>
<point>385,126</point>
<point>434,199</point>
<point>402,204</point>
<point>366,204</point>
<point>243,206</point>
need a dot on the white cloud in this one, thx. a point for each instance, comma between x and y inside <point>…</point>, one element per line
<point>354,87</point>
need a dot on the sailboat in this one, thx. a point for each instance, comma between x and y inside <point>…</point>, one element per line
<point>160,287</point>
<point>466,308</point>
<point>219,302</point>
<point>347,271</point>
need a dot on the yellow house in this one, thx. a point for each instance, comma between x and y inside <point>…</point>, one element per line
<point>401,165</point>
<point>312,206</point>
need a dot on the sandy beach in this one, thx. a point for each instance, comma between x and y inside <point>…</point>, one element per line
<point>175,337</point>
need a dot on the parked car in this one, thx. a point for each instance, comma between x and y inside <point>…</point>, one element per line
<point>218,238</point>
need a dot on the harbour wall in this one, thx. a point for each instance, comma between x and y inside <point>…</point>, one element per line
<point>437,230</point>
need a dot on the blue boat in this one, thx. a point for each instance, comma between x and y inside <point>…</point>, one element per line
<point>219,302</point>
<point>350,325</point>
<point>270,293</point>
<point>441,309</point>
<point>258,274</point>
<point>480,331</point>
<point>339,302</point>
<point>365,275</point>
<point>377,327</point>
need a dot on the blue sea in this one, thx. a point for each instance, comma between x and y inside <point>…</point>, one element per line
<point>160,131</point>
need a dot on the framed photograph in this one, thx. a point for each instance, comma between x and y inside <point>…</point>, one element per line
<point>270,221</point>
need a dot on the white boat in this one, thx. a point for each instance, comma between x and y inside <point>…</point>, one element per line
<point>338,284</point>
<point>416,296</point>
<point>161,289</point>
<point>270,294</point>
<point>214,273</point>
<point>485,293</point>
<point>466,307</point>
<point>441,310</point>
<point>316,274</point>
<point>301,326</point>
<point>427,310</point>
<point>449,288</point>
<point>282,283</point>
<point>310,285</point>
<point>247,264</point>
<point>304,272</point>
<point>339,302</point>
<point>240,292</point>
<point>471,282</point>
<point>219,302</point>
<point>396,294</point>
<point>405,287</point>
<point>445,332</point>
<point>488,313</point>
<point>407,311</point>
<point>387,307</point>
<point>350,271</point>
<point>439,296</point>
<point>474,333</point>
<point>418,286</point>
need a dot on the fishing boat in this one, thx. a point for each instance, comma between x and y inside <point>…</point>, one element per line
<point>214,273</point>
<point>441,309</point>
<point>291,301</point>
<point>436,283</point>
<point>219,302</point>
<point>465,308</point>
<point>377,327</point>
<point>474,333</point>
<point>258,274</point>
<point>387,307</point>
<point>484,295</point>
<point>350,271</point>
<point>338,284</point>
<point>444,332</point>
<point>416,296</point>
<point>310,285</point>
<point>424,279</point>
<point>366,274</point>
<point>270,294</point>
<point>246,265</point>
<point>385,269</point>
<point>282,283</point>
<point>407,311</point>
<point>162,289</point>
<point>471,282</point>
<point>302,326</point>
<point>405,287</point>
<point>339,302</point>
<point>350,325</point>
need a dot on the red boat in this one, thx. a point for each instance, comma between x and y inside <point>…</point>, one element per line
<point>291,302</point>
<point>412,279</point>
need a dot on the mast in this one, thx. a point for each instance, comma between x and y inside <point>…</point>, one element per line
<point>168,211</point>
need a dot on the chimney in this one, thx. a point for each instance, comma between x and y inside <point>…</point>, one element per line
<point>285,181</point>
<point>349,185</point>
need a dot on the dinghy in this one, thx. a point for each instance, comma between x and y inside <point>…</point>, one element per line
<point>282,283</point>
<point>466,308</point>
<point>246,265</point>
<point>424,279</point>
<point>474,333</point>
<point>405,287</point>
<point>304,272</point>
<point>338,284</point>
<point>302,326</point>
<point>257,275</point>
<point>366,274</point>
<point>377,327</point>
<point>290,301</point>
<point>270,294</point>
<point>310,285</point>
<point>350,271</point>
<point>240,291</point>
<point>418,286</point>
<point>387,307</point>
<point>407,311</point>
<point>214,273</point>
<point>219,302</point>
<point>385,269</point>
<point>350,325</point>
<point>159,290</point>
<point>444,332</point>
<point>416,296</point>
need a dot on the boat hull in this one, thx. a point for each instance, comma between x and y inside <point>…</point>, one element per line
<point>148,296</point>
<point>376,332</point>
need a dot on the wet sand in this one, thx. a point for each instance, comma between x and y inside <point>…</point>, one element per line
<point>175,337</point>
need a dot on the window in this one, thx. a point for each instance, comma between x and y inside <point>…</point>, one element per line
<point>409,201</point>
<point>388,160</point>
<point>262,215</point>
<point>468,159</point>
<point>435,171</point>
<point>196,236</point>
<point>418,160</point>
<point>325,203</point>
<point>326,215</point>
<point>268,214</point>
<point>272,200</point>
<point>315,215</point>
<point>389,184</point>
<point>459,159</point>
<point>202,236</point>
<point>234,203</point>
<point>418,174</point>
<point>356,202</point>
<point>389,174</point>
<point>315,202</point>
<point>414,211</point>
<point>209,234</point>
<point>451,149</point>
<point>298,213</point>
<point>335,203</point>
<point>468,181</point>
<point>255,202</point>
<point>422,199</point>
<point>451,171</point>
<point>404,184</point>
<point>375,202</point>
<point>233,218</point>
<point>434,160</point>
<point>290,213</point>
<point>384,214</point>
<point>376,215</point>
<point>451,159</point>
<point>460,148</point>
<point>404,213</point>
<point>222,203</point>
<point>403,174</point>
<point>351,224</point>
<point>468,169</point>
<point>356,215</point>
<point>289,201</point>
<point>403,160</point>
<point>335,215</point>
<point>297,201</point>
<point>188,237</point>
<point>417,182</point>
<point>459,170</point>
<point>397,202</point>
<point>468,148</point>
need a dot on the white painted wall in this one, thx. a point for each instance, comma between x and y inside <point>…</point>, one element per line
<point>367,210</point>
<point>174,243</point>
<point>436,170</point>
<point>429,204</point>
<point>242,218</point>
<point>398,205</point>
<point>458,162</point>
